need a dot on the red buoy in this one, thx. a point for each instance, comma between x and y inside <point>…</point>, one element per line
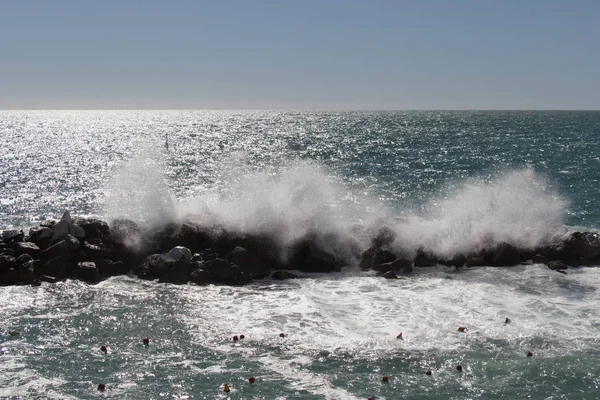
<point>251,379</point>
<point>102,387</point>
<point>385,379</point>
<point>462,329</point>
<point>428,372</point>
<point>242,336</point>
<point>399,336</point>
<point>235,338</point>
<point>104,349</point>
<point>146,341</point>
<point>459,368</point>
<point>282,334</point>
<point>529,354</point>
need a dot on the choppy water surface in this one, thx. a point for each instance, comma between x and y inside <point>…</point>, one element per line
<point>464,175</point>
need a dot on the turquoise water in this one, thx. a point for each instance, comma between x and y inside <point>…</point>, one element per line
<point>446,179</point>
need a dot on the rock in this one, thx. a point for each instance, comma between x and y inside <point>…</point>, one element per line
<point>55,267</point>
<point>27,248</point>
<point>60,249</point>
<point>92,227</point>
<point>222,270</point>
<point>72,243</point>
<point>88,271</point>
<point>249,263</point>
<point>200,277</point>
<point>282,275</point>
<point>49,279</point>
<point>60,230</point>
<point>318,260</point>
<point>108,267</point>
<point>197,257</point>
<point>67,218</point>
<point>458,261</point>
<point>557,265</point>
<point>12,236</point>
<point>47,224</point>
<point>150,268</point>
<point>541,259</point>
<point>77,232</point>
<point>476,261</point>
<point>390,275</point>
<point>424,259</point>
<point>93,252</point>
<point>385,236</point>
<point>506,255</point>
<point>9,276</point>
<point>579,262</point>
<point>178,253</point>
<point>586,245</point>
<point>178,272</point>
<point>399,264</point>
<point>125,232</point>
<point>26,270</point>
<point>375,256</point>
<point>563,252</point>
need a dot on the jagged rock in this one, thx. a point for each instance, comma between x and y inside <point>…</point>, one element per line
<point>506,255</point>
<point>476,261</point>
<point>12,236</point>
<point>124,232</point>
<point>60,249</point>
<point>93,228</point>
<point>60,230</point>
<point>317,260</point>
<point>77,232</point>
<point>47,224</point>
<point>562,251</point>
<point>72,243</point>
<point>390,275</point>
<point>178,253</point>
<point>93,251</point>
<point>424,259</point>
<point>39,233</point>
<point>55,267</point>
<point>458,261</point>
<point>222,270</point>
<point>196,257</point>
<point>249,263</point>
<point>67,217</point>
<point>282,275</point>
<point>151,267</point>
<point>557,265</point>
<point>541,259</point>
<point>586,245</point>
<point>7,262</point>
<point>375,256</point>
<point>26,269</point>
<point>200,277</point>
<point>108,267</point>
<point>27,248</point>
<point>88,271</point>
<point>385,236</point>
<point>178,272</point>
<point>399,264</point>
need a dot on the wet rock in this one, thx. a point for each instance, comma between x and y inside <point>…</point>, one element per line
<point>458,261</point>
<point>178,253</point>
<point>200,276</point>
<point>476,261</point>
<point>385,236</point>
<point>93,251</point>
<point>390,275</point>
<point>93,228</point>
<point>12,236</point>
<point>222,270</point>
<point>586,245</point>
<point>27,248</point>
<point>197,257</point>
<point>151,267</point>
<point>9,276</point>
<point>506,255</point>
<point>47,223</point>
<point>249,263</point>
<point>72,243</point>
<point>87,271</point>
<point>562,251</point>
<point>55,267</point>
<point>579,262</point>
<point>375,256</point>
<point>557,265</point>
<point>424,259</point>
<point>541,259</point>
<point>399,264</point>
<point>26,269</point>
<point>60,230</point>
<point>282,275</point>
<point>60,249</point>
<point>108,267</point>
<point>178,272</point>
<point>49,279</point>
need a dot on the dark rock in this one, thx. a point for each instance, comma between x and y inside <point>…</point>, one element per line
<point>26,270</point>
<point>88,271</point>
<point>579,262</point>
<point>390,275</point>
<point>385,236</point>
<point>12,236</point>
<point>47,224</point>
<point>197,257</point>
<point>399,264</point>
<point>178,272</point>
<point>200,277</point>
<point>72,243</point>
<point>49,279</point>
<point>317,260</point>
<point>541,259</point>
<point>249,263</point>
<point>93,251</point>
<point>222,270</point>
<point>586,245</point>
<point>151,267</point>
<point>126,233</point>
<point>375,256</point>
<point>282,275</point>
<point>108,267</point>
<point>476,261</point>
<point>60,230</point>
<point>55,267</point>
<point>557,265</point>
<point>506,255</point>
<point>209,255</point>
<point>27,248</point>
<point>562,251</point>
<point>458,261</point>
<point>7,262</point>
<point>9,277</point>
<point>424,259</point>
<point>60,249</point>
<point>92,227</point>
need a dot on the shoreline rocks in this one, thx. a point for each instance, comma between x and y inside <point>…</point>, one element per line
<point>91,250</point>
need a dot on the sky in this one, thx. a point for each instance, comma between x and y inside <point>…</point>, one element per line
<point>302,54</point>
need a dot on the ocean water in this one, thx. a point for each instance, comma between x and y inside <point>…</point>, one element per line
<point>449,181</point>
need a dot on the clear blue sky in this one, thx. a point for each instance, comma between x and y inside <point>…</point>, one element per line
<point>303,54</point>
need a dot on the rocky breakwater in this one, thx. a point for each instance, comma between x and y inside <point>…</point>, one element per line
<point>89,249</point>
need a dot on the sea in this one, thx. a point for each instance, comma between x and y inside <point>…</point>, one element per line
<point>445,180</point>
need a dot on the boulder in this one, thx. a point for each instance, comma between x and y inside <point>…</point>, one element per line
<point>77,232</point>
<point>399,264</point>
<point>108,267</point>
<point>318,260</point>
<point>579,262</point>
<point>222,270</point>
<point>375,256</point>
<point>385,236</point>
<point>93,251</point>
<point>557,265</point>
<point>60,249</point>
<point>506,255</point>
<point>178,272</point>
<point>390,275</point>
<point>27,248</point>
<point>93,228</point>
<point>9,276</point>
<point>282,275</point>
<point>72,243</point>
<point>200,276</point>
<point>55,267</point>
<point>12,236</point>
<point>60,230</point>
<point>541,259</point>
<point>87,271</point>
<point>26,271</point>
<point>476,261</point>
<point>249,263</point>
<point>151,267</point>
<point>178,253</point>
<point>586,245</point>
<point>7,262</point>
<point>424,259</point>
<point>562,251</point>
<point>458,261</point>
